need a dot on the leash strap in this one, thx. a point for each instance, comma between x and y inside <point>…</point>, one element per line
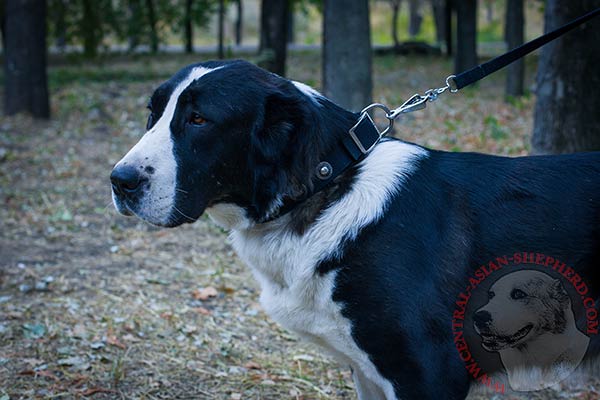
<point>481,71</point>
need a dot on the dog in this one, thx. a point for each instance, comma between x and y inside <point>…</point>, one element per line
<point>529,320</point>
<point>369,265</point>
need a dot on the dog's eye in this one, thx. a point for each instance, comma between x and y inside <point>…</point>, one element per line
<point>517,294</point>
<point>491,295</point>
<point>197,119</point>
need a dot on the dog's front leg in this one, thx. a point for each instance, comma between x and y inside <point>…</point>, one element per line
<point>365,388</point>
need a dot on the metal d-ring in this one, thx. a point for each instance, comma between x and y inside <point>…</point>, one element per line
<point>451,84</point>
<point>387,115</point>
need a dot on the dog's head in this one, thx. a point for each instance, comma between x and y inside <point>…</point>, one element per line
<point>522,305</point>
<point>227,136</point>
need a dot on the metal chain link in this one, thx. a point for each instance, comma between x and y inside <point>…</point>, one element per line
<point>416,102</point>
<point>419,102</point>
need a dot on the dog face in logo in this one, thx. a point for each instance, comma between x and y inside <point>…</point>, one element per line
<point>522,306</point>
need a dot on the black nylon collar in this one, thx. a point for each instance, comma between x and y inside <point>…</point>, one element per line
<point>350,150</point>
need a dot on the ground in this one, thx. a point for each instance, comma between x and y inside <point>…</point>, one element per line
<point>93,304</point>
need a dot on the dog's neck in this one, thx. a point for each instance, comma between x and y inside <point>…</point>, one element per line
<point>232,217</point>
<point>329,125</point>
<point>289,248</point>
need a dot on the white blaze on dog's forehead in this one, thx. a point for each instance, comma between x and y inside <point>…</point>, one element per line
<point>155,149</point>
<point>194,75</point>
<point>161,130</point>
<point>307,90</point>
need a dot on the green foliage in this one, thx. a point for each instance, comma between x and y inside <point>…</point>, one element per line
<point>202,10</point>
<point>99,23</point>
<point>490,32</point>
<point>519,102</point>
<point>496,131</point>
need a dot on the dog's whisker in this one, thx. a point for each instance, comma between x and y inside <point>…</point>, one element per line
<point>107,207</point>
<point>184,215</point>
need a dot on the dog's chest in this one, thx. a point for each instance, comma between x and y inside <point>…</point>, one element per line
<point>301,300</point>
<point>291,293</point>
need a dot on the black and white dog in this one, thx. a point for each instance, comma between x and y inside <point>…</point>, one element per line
<point>370,266</point>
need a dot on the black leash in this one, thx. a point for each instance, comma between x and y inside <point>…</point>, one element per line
<point>365,135</point>
<point>481,71</point>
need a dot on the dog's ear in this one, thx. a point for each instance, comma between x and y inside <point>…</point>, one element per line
<point>279,154</point>
<point>558,291</point>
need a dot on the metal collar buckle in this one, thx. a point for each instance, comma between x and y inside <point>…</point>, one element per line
<point>365,114</point>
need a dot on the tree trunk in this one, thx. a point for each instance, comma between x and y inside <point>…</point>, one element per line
<point>489,11</point>
<point>152,23</point>
<point>448,36</point>
<point>134,28</point>
<point>238,22</point>
<point>437,10</point>
<point>514,34</point>
<point>273,35</point>
<point>26,87</point>
<point>566,111</point>
<point>466,35</point>
<point>90,28</point>
<point>395,13</point>
<point>60,25</point>
<point>3,24</point>
<point>290,24</point>
<point>221,34</point>
<point>414,26</point>
<point>188,31</point>
<point>347,53</point>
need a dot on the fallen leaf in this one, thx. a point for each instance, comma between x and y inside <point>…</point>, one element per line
<point>45,374</point>
<point>236,396</point>
<point>227,289</point>
<point>130,338</point>
<point>204,293</point>
<point>303,357</point>
<point>114,341</point>
<point>34,362</point>
<point>168,315</point>
<point>202,310</point>
<point>91,391</point>
<point>252,365</point>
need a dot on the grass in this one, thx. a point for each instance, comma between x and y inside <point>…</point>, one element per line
<point>93,304</point>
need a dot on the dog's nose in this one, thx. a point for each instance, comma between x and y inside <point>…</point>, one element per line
<point>126,180</point>
<point>481,318</point>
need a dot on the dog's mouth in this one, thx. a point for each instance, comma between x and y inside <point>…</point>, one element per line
<point>121,206</point>
<point>492,342</point>
<point>125,207</point>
